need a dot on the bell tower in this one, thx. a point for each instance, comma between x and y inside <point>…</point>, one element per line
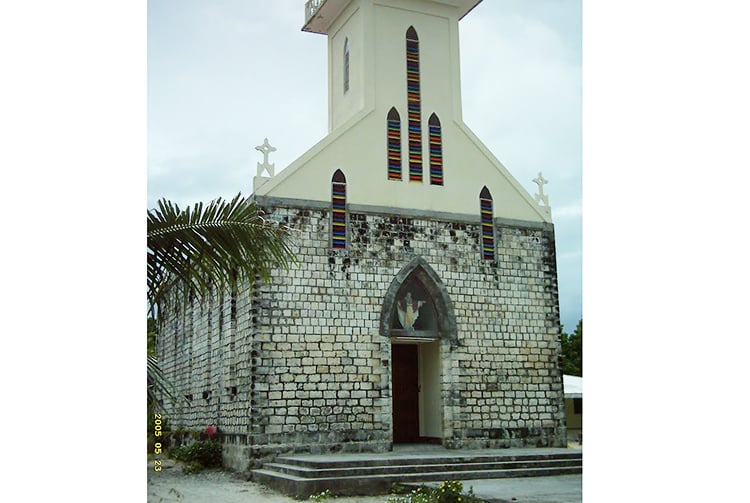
<point>395,124</point>
<point>391,53</point>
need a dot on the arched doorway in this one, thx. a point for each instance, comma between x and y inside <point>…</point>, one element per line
<point>418,318</point>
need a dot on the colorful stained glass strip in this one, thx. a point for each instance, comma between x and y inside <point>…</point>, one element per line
<point>436,156</point>
<point>338,219</point>
<point>488,232</point>
<point>414,110</point>
<point>394,150</point>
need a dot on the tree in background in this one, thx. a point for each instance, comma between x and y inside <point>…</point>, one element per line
<point>193,252</point>
<point>572,351</point>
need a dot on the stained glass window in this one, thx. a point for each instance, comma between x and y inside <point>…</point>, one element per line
<point>414,105</point>
<point>488,228</point>
<point>338,210</point>
<point>394,145</point>
<point>436,151</point>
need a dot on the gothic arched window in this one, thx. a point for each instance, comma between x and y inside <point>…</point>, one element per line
<point>346,65</point>
<point>488,227</point>
<point>414,105</point>
<point>436,151</point>
<point>338,210</point>
<point>394,145</point>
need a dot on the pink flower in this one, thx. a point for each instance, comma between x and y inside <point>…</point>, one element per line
<point>211,431</point>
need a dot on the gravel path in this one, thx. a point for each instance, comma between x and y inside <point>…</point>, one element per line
<point>217,486</point>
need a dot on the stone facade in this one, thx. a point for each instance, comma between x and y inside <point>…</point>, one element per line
<point>422,262</point>
<point>303,363</point>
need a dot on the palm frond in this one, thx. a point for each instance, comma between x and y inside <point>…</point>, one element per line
<point>192,250</point>
<point>159,387</point>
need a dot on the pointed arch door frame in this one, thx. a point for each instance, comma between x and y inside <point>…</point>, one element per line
<point>419,269</point>
<point>418,371</point>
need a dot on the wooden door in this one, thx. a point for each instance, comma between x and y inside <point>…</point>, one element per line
<point>405,358</point>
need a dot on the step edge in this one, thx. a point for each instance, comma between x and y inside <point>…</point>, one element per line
<point>426,461</point>
<point>460,467</point>
<point>438,475</point>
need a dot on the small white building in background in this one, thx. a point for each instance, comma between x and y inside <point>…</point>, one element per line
<point>573,388</point>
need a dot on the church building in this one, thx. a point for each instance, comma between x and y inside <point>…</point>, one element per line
<point>424,304</point>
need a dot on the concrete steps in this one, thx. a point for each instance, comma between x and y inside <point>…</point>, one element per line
<point>301,476</point>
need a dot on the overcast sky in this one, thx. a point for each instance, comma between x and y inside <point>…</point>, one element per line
<point>225,74</point>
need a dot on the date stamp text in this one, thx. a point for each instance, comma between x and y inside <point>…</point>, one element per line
<point>157,444</point>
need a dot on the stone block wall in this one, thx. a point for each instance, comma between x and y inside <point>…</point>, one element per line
<point>300,364</point>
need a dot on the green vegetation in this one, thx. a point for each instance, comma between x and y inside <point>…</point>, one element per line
<point>325,495</point>
<point>572,351</point>
<point>448,492</point>
<point>198,455</point>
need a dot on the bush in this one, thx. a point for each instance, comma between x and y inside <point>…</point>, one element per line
<point>448,492</point>
<point>452,492</point>
<point>179,437</point>
<point>204,454</point>
<point>325,495</point>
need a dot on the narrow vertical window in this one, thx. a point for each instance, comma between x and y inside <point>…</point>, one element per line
<point>436,151</point>
<point>488,227</point>
<point>338,210</point>
<point>414,104</point>
<point>346,65</point>
<point>394,145</point>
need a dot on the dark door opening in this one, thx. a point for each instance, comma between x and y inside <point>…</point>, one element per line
<point>405,358</point>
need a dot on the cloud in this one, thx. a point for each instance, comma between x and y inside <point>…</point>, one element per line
<point>183,179</point>
<point>571,210</point>
<point>221,79</point>
<point>523,67</point>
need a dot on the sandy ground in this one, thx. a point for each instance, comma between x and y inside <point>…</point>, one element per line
<point>217,486</point>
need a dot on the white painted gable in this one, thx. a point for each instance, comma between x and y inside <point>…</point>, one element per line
<point>357,139</point>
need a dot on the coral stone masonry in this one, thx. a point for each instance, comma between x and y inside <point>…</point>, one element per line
<point>424,305</point>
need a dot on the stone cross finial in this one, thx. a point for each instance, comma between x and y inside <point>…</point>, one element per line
<point>266,148</point>
<point>541,197</point>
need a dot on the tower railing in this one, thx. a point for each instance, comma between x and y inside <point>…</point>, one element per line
<point>312,7</point>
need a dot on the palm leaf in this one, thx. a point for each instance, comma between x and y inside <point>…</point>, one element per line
<point>158,386</point>
<point>192,250</point>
